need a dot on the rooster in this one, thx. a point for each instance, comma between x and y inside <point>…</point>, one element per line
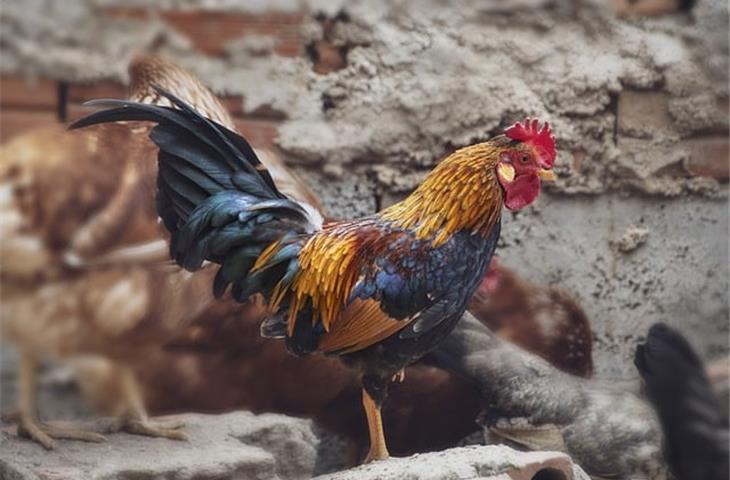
<point>84,260</point>
<point>379,292</point>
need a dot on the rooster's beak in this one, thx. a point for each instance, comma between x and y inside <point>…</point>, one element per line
<point>546,174</point>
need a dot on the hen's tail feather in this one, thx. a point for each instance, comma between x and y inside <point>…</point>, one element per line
<point>695,430</point>
<point>216,197</point>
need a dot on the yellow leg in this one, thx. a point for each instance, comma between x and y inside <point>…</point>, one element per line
<point>378,448</point>
<point>29,425</point>
<point>135,419</point>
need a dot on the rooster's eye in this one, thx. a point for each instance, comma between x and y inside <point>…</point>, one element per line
<point>524,158</point>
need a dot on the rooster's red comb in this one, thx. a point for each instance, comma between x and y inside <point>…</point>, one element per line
<point>541,140</point>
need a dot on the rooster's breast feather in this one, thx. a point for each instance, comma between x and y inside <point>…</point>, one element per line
<point>365,280</point>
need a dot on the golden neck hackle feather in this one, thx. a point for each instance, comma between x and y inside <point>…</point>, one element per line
<point>461,193</point>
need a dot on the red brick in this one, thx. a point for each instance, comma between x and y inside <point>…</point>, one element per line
<point>18,92</point>
<point>724,105</point>
<point>82,92</point>
<point>233,104</point>
<point>640,110</point>
<point>14,122</point>
<point>708,157</point>
<point>268,112</point>
<point>579,157</point>
<point>134,13</point>
<point>644,8</point>
<point>290,47</point>
<point>271,17</point>
<point>211,31</point>
<point>260,133</point>
<point>327,57</point>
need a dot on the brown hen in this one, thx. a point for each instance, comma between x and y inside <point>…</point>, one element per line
<point>542,319</point>
<point>84,260</point>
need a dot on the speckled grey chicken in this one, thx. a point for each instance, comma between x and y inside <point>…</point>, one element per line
<point>84,268</point>
<point>609,431</point>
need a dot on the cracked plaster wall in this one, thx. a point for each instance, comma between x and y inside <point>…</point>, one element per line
<point>629,101</point>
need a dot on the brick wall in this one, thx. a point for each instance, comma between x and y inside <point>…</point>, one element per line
<point>702,155</point>
<point>26,104</point>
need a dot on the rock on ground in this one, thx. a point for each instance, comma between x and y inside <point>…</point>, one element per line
<point>242,445</point>
<point>472,462</point>
<point>239,445</point>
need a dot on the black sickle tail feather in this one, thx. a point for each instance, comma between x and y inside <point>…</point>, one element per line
<point>215,197</point>
<point>695,430</point>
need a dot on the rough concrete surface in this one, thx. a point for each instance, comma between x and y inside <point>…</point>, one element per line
<point>241,446</point>
<point>471,462</point>
<point>424,78</point>
<point>237,445</point>
<point>679,275</point>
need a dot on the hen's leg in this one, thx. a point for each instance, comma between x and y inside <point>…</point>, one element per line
<point>29,425</point>
<point>373,395</point>
<point>135,419</point>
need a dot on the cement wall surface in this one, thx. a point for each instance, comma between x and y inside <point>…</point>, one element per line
<point>636,226</point>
